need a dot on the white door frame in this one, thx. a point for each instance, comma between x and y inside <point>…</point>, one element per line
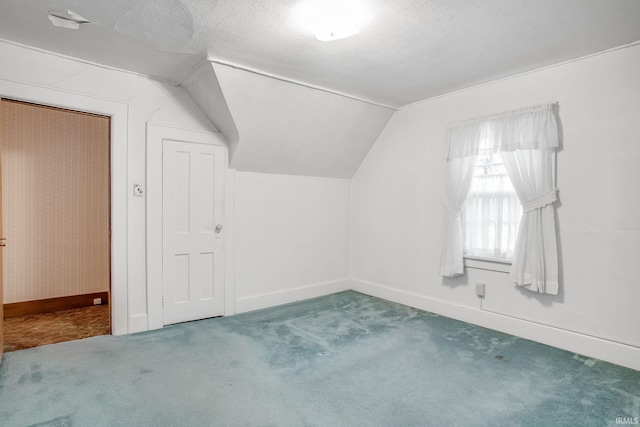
<point>156,134</point>
<point>118,111</point>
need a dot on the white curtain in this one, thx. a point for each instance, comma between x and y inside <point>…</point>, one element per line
<point>459,172</point>
<point>527,140</point>
<point>535,260</point>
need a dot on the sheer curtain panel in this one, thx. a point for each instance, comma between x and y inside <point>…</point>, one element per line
<point>527,140</point>
<point>492,212</point>
<point>459,172</point>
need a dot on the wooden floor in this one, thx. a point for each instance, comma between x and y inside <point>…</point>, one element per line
<point>67,325</point>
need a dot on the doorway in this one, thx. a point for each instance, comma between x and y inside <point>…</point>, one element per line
<point>56,215</point>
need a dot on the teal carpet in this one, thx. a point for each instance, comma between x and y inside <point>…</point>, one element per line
<point>341,360</point>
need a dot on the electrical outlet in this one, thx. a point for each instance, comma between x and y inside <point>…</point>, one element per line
<point>480,289</point>
<point>97,301</point>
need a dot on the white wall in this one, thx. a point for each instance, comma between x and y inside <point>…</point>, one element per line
<point>292,238</point>
<point>397,215</point>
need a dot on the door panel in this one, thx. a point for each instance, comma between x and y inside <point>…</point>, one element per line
<point>193,256</point>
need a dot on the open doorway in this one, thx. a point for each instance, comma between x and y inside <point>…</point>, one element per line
<point>56,216</point>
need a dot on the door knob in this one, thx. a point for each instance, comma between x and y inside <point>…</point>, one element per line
<point>218,228</point>
<point>3,242</point>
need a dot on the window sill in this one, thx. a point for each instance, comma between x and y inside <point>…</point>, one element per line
<point>491,264</point>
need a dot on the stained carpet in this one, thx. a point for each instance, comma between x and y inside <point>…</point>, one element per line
<point>341,360</point>
<point>50,328</point>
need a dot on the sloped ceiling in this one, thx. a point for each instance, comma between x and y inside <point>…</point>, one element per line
<point>288,103</point>
<point>203,87</point>
<point>285,127</point>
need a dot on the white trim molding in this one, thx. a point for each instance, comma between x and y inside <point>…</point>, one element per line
<point>119,113</point>
<point>271,299</point>
<point>491,264</point>
<point>598,348</point>
<point>229,247</point>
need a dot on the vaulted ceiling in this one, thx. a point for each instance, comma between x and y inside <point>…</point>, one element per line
<point>409,50</point>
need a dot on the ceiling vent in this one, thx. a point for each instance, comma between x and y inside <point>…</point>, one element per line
<point>67,19</point>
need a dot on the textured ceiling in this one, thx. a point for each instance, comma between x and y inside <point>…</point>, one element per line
<point>410,50</point>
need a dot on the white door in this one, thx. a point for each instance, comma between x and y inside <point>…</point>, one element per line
<point>192,247</point>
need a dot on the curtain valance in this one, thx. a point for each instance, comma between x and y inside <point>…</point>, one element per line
<point>531,128</point>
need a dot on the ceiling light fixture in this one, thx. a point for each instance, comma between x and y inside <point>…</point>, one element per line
<point>332,19</point>
<point>67,19</point>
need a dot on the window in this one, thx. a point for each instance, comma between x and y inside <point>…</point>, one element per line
<point>484,221</point>
<point>491,213</point>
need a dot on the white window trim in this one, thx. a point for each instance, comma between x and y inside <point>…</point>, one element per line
<point>500,265</point>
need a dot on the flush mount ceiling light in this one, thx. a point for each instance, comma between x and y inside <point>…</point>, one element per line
<point>332,19</point>
<point>67,19</point>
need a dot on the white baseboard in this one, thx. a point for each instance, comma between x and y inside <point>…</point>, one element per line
<point>256,302</point>
<point>138,323</point>
<point>598,348</point>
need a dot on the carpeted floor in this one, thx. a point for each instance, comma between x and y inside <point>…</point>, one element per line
<point>342,360</point>
<point>50,328</point>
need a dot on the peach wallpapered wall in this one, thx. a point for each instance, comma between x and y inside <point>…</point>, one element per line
<point>55,196</point>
